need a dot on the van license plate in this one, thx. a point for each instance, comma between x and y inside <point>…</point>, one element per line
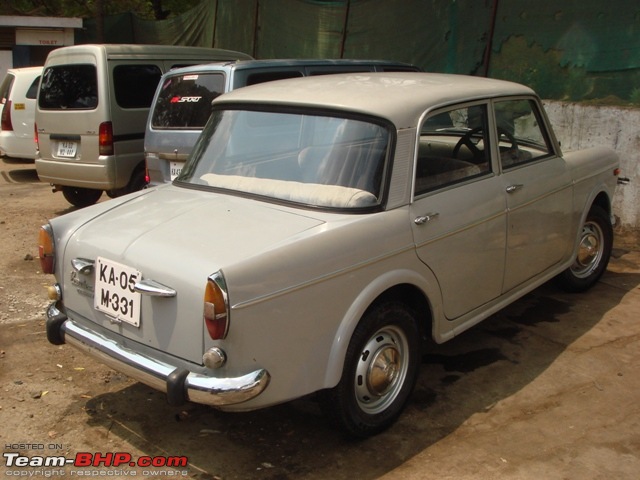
<point>67,149</point>
<point>176,168</point>
<point>114,293</point>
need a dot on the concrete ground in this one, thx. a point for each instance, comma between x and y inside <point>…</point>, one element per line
<point>562,398</point>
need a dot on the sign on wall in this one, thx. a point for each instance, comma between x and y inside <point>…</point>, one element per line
<point>41,37</point>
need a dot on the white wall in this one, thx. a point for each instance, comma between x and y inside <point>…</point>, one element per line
<point>581,126</point>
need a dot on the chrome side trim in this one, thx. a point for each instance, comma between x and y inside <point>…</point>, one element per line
<point>154,289</point>
<point>199,388</point>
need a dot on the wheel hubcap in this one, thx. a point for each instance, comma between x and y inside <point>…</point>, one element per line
<point>381,370</point>
<point>589,251</point>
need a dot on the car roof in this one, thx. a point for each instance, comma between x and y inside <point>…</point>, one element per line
<point>401,97</point>
<point>31,71</point>
<point>283,62</point>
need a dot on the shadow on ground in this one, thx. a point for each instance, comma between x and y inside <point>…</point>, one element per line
<point>465,376</point>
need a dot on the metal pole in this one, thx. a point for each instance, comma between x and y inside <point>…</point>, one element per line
<point>492,29</point>
<point>344,28</point>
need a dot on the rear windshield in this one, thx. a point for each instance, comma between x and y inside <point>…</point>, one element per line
<point>184,101</point>
<point>305,158</point>
<point>69,87</point>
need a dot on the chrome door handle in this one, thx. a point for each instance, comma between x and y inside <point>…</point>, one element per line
<point>425,218</point>
<point>82,265</point>
<point>513,188</point>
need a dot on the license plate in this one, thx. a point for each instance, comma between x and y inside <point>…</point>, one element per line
<point>176,168</point>
<point>67,149</point>
<point>114,293</point>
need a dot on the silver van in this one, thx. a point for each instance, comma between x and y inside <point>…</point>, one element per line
<point>182,103</point>
<point>92,107</point>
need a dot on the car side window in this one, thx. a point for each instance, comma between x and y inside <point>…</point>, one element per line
<point>521,137</point>
<point>454,147</point>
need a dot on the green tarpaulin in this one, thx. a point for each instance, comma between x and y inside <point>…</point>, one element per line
<point>565,50</point>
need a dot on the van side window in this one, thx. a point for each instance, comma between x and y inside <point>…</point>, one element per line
<point>262,77</point>
<point>69,87</point>
<point>135,85</point>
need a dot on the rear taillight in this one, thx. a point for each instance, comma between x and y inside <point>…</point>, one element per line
<point>216,307</point>
<point>5,122</point>
<point>36,139</point>
<point>46,249</point>
<point>106,138</point>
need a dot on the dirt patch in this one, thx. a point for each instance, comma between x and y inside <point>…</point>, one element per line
<point>547,388</point>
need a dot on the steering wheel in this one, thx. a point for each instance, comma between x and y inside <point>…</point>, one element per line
<point>467,142</point>
<point>478,155</point>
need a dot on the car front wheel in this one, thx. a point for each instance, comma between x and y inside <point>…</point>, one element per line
<point>594,251</point>
<point>380,371</point>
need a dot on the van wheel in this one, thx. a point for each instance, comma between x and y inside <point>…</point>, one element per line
<point>138,182</point>
<point>594,251</point>
<point>379,373</point>
<point>81,197</point>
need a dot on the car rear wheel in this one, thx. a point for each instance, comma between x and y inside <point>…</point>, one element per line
<point>594,251</point>
<point>380,371</point>
<point>81,197</point>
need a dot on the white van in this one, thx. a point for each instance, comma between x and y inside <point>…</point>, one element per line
<point>18,93</point>
<point>92,108</point>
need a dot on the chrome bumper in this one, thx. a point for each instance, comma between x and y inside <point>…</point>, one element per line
<point>179,384</point>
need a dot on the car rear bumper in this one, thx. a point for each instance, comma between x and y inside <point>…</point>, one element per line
<point>96,176</point>
<point>179,384</point>
<point>12,145</point>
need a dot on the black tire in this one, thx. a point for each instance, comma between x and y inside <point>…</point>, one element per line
<point>137,182</point>
<point>379,373</point>
<point>81,197</point>
<point>594,251</point>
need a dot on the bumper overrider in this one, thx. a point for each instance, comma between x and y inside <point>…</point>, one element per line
<point>179,384</point>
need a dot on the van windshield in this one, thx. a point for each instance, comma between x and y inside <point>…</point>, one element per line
<point>69,87</point>
<point>305,158</point>
<point>184,101</point>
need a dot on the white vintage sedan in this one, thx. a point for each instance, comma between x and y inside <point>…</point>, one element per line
<point>322,232</point>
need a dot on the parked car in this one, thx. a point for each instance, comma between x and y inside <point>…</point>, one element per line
<point>91,113</point>
<point>182,103</point>
<point>322,232</point>
<point>18,93</point>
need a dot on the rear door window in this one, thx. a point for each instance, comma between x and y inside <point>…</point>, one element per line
<point>69,87</point>
<point>135,85</point>
<point>5,88</point>
<point>32,93</point>
<point>184,101</point>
